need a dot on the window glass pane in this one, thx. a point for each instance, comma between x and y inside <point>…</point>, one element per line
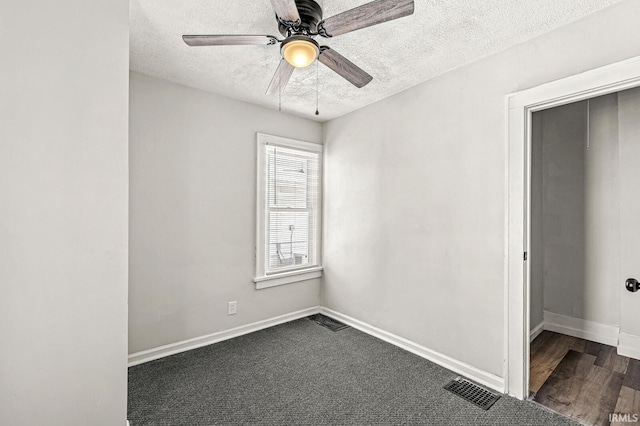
<point>288,240</point>
<point>288,176</point>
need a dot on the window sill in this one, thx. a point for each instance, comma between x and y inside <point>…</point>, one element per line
<point>287,277</point>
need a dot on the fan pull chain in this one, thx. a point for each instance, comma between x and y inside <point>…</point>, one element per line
<point>317,87</point>
<point>280,97</point>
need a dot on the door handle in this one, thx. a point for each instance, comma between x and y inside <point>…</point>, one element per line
<point>632,285</point>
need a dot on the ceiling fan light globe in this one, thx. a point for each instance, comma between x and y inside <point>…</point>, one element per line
<point>300,53</point>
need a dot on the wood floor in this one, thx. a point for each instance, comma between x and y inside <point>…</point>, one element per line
<point>584,380</point>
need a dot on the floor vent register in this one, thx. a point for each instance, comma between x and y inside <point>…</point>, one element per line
<point>472,392</point>
<point>327,322</point>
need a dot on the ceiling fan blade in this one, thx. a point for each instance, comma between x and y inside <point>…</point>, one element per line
<point>344,67</point>
<point>287,11</point>
<point>281,78</point>
<point>375,12</point>
<point>228,40</point>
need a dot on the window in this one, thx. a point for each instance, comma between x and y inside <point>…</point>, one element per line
<point>288,218</point>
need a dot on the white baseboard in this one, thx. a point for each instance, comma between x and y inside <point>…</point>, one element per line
<point>482,377</point>
<point>536,331</point>
<point>629,346</point>
<point>583,329</point>
<point>197,342</point>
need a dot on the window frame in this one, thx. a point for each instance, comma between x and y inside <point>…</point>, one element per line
<point>264,279</point>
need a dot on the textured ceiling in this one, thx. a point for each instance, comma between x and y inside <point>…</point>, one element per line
<point>441,35</point>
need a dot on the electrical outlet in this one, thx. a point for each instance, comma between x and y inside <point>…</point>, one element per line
<point>232,308</point>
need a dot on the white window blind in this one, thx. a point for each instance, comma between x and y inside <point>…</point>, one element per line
<point>289,196</point>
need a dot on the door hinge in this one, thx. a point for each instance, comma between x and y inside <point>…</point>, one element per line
<point>525,255</point>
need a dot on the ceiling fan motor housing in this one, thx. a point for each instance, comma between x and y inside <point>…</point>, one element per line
<point>310,14</point>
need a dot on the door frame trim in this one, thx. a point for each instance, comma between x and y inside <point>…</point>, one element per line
<point>519,108</point>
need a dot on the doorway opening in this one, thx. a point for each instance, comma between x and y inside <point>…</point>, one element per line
<point>520,108</point>
<point>576,190</point>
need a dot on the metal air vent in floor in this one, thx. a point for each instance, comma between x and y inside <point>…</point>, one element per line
<point>327,322</point>
<point>472,392</point>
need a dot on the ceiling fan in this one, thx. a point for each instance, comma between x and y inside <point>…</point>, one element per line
<point>299,21</point>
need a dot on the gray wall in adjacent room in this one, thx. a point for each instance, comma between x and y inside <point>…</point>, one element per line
<point>602,222</point>
<point>575,225</point>
<point>563,225</point>
<point>536,253</point>
<point>629,145</point>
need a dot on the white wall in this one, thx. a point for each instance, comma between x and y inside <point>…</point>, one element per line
<point>63,215</point>
<point>415,192</point>
<point>193,213</point>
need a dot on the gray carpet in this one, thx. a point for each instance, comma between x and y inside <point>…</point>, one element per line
<point>301,373</point>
